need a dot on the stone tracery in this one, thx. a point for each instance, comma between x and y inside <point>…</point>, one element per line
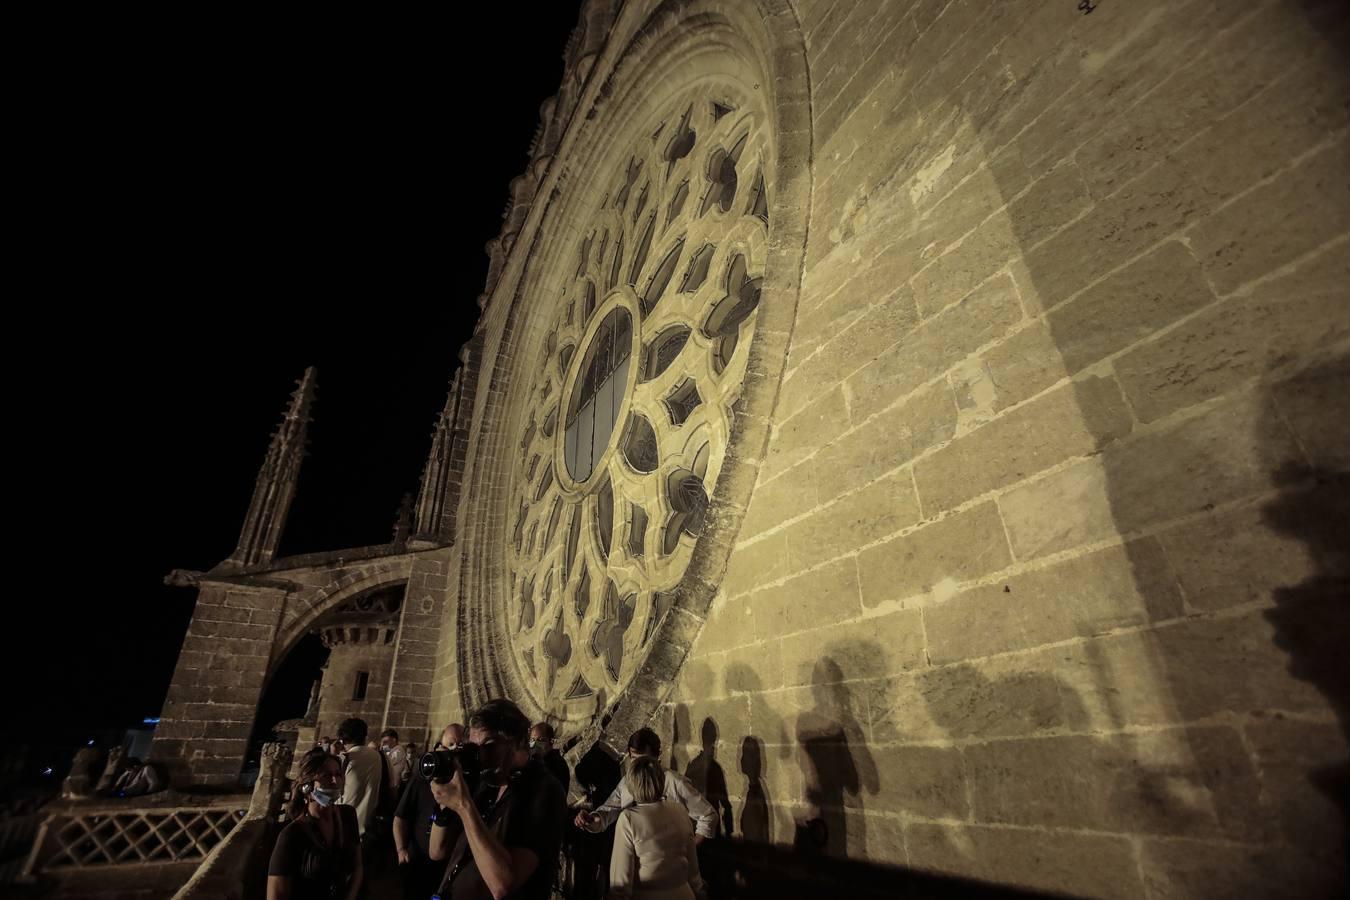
<point>630,413</point>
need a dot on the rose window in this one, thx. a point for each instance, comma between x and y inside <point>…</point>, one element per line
<point>626,425</point>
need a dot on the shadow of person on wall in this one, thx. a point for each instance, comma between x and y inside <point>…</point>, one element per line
<point>766,732</point>
<point>707,775</point>
<point>751,866</point>
<point>1157,797</point>
<point>836,765</point>
<point>1311,619</point>
<point>755,810</point>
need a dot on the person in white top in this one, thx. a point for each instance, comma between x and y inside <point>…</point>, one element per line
<point>655,855</point>
<point>362,771</point>
<point>396,756</point>
<point>646,744</point>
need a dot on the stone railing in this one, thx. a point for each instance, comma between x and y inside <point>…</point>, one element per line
<point>114,836</point>
<point>165,844</point>
<point>236,869</point>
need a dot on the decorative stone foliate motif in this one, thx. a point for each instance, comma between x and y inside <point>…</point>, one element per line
<point>631,409</point>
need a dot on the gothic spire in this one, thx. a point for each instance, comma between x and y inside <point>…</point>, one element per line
<point>275,487</point>
<point>436,472</point>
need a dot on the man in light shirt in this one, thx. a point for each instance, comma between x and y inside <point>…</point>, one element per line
<point>363,772</point>
<point>645,742</point>
<point>396,756</point>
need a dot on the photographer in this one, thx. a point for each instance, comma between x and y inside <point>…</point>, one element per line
<point>412,826</point>
<point>502,841</point>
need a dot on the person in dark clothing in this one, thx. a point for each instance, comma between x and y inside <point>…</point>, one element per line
<point>318,854</point>
<point>412,828</point>
<point>503,841</point>
<point>541,748</point>
<point>542,737</point>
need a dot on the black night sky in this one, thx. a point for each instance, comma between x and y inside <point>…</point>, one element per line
<point>219,205</point>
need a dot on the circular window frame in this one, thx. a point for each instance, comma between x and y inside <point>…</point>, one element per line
<point>654,50</point>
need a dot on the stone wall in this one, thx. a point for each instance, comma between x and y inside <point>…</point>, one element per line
<point>411,698</point>
<point>217,683</point>
<point>245,623</point>
<point>1043,573</point>
<point>1036,578</point>
<point>336,695</point>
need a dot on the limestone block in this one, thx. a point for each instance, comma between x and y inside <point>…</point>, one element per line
<point>1196,781</point>
<point>828,594</point>
<point>1072,420</point>
<point>1294,319</point>
<point>936,346</point>
<point>895,436</point>
<point>889,314</point>
<point>935,557</point>
<point>1188,868</point>
<point>800,436</point>
<point>921,781</point>
<point>1027,363</point>
<point>855,520</point>
<point>1128,306</point>
<point>1234,557</point>
<point>1278,222</point>
<point>1112,588</point>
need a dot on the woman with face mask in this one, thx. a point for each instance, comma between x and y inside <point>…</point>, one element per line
<point>318,854</point>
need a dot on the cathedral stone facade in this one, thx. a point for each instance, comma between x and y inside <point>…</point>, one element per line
<point>932,417</point>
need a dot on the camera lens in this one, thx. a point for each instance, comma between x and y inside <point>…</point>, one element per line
<point>439,765</point>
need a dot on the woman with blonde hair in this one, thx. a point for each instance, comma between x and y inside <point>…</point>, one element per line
<point>318,854</point>
<point>654,853</point>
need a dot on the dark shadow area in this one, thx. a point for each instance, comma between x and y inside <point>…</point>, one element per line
<point>755,811</point>
<point>288,694</point>
<point>1196,436</point>
<point>967,704</point>
<point>597,774</point>
<point>708,776</point>
<point>837,768</point>
<point>1312,618</point>
<point>757,818</point>
<point>760,872</point>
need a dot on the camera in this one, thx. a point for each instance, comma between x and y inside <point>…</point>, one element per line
<point>439,765</point>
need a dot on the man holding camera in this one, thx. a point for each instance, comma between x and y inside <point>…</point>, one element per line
<point>502,841</point>
<point>412,826</point>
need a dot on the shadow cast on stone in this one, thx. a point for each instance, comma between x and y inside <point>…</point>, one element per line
<point>1311,619</point>
<point>837,767</point>
<point>759,871</point>
<point>755,810</point>
<point>756,822</point>
<point>708,776</point>
<point>965,703</point>
<point>1203,419</point>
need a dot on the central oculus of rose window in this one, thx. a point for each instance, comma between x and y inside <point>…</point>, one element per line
<point>599,395</point>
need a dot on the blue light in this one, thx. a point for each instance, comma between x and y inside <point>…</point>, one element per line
<point>47,771</point>
<point>154,721</point>
<point>90,744</point>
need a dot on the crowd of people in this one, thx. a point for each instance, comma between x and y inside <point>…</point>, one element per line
<point>486,817</point>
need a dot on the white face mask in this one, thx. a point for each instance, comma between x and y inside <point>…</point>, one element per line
<point>322,797</point>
